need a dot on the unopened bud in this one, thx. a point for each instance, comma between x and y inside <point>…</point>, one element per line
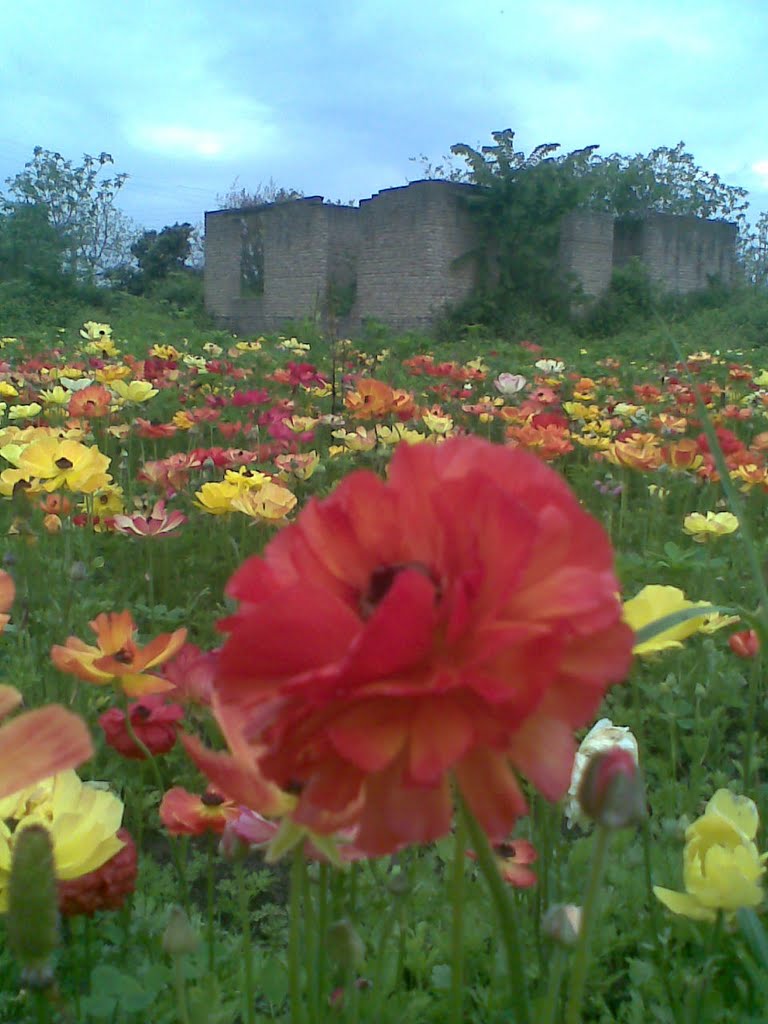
<point>745,644</point>
<point>611,791</point>
<point>179,937</point>
<point>344,944</point>
<point>562,923</point>
<point>78,572</point>
<point>33,917</point>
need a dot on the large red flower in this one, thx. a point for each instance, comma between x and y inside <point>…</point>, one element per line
<point>459,620</point>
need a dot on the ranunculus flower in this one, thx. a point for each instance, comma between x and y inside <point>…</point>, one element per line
<point>509,383</point>
<point>722,869</point>
<point>745,644</point>
<point>656,602</point>
<point>187,814</point>
<point>459,620</point>
<point>105,888</point>
<point>703,526</point>
<point>153,721</point>
<point>512,860</point>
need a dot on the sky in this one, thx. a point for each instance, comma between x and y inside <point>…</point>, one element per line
<point>334,99</point>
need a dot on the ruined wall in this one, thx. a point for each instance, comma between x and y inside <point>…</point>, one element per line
<point>410,240</point>
<point>586,249</point>
<point>683,253</point>
<point>394,258</point>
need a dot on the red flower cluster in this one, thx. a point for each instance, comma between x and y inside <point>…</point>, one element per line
<point>459,620</point>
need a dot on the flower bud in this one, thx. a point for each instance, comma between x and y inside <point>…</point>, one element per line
<point>179,937</point>
<point>745,644</point>
<point>611,791</point>
<point>562,923</point>
<point>33,919</point>
<point>344,944</point>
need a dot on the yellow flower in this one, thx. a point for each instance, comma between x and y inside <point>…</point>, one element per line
<point>7,390</point>
<point>55,396</point>
<point>198,362</point>
<point>361,440</point>
<point>164,352</point>
<point>93,331</point>
<point>216,498</point>
<point>69,464</point>
<point>437,424</point>
<point>702,526</point>
<point>245,479</point>
<point>103,348</point>
<point>82,819</point>
<point>656,602</point>
<point>24,412</point>
<point>107,374</point>
<point>761,379</point>
<point>134,391</point>
<point>182,420</point>
<point>248,346</point>
<point>722,869</point>
<point>271,502</point>
<point>399,432</point>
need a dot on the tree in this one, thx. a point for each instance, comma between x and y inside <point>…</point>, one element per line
<point>239,198</point>
<point>161,253</point>
<point>31,249</point>
<point>79,202</point>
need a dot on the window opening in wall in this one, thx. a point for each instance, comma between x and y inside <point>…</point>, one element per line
<point>251,259</point>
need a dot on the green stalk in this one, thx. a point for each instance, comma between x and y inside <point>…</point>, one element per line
<point>554,984</point>
<point>312,939</point>
<point>245,924</point>
<point>322,928</point>
<point>181,990</point>
<point>505,909</point>
<point>578,979</point>
<point>457,927</point>
<point>697,1016</point>
<point>655,924</point>
<point>294,936</point>
<point>210,900</point>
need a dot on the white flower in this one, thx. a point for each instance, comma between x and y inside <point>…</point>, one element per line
<point>549,365</point>
<point>509,383</point>
<point>602,736</point>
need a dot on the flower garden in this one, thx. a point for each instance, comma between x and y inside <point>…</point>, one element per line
<point>380,684</point>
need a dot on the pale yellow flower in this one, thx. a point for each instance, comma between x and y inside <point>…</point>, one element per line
<point>656,602</point>
<point>135,391</point>
<point>704,526</point>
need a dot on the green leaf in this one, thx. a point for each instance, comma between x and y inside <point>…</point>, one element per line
<point>652,629</point>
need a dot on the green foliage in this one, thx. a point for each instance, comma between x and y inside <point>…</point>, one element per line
<point>80,205</point>
<point>519,204</point>
<point>32,251</point>
<point>631,296</point>
<point>159,254</point>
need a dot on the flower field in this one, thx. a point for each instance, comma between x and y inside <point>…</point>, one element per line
<point>381,684</point>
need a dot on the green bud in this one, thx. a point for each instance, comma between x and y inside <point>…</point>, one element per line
<point>33,914</point>
<point>344,944</point>
<point>179,937</point>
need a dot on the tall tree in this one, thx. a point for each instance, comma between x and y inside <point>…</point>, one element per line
<point>80,204</point>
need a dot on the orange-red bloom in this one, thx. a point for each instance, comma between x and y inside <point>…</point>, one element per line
<point>512,860</point>
<point>460,620</point>
<point>117,658</point>
<point>187,814</point>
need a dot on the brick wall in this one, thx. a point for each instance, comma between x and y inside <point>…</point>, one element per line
<point>410,240</point>
<point>396,256</point>
<point>586,249</point>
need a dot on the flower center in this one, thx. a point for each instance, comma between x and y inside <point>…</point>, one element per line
<point>63,463</point>
<point>381,581</point>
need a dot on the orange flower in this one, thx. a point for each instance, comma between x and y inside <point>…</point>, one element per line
<point>457,621</point>
<point>683,455</point>
<point>187,814</point>
<point>91,403</point>
<point>117,659</point>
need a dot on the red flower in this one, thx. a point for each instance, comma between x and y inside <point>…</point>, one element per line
<point>153,722</point>
<point>192,672</point>
<point>512,860</point>
<point>187,814</point>
<point>460,619</point>
<point>107,888</point>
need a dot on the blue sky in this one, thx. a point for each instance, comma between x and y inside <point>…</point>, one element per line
<point>333,99</point>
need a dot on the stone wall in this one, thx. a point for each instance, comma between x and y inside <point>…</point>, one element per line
<point>411,238</point>
<point>397,257</point>
<point>586,249</point>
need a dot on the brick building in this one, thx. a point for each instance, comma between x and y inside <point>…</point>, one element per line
<point>402,256</point>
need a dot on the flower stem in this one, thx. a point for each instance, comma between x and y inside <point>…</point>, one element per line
<point>294,937</point>
<point>653,920</point>
<point>590,909</point>
<point>245,924</point>
<point>554,983</point>
<point>181,990</point>
<point>457,928</point>
<point>697,1016</point>
<point>210,899</point>
<point>505,909</point>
